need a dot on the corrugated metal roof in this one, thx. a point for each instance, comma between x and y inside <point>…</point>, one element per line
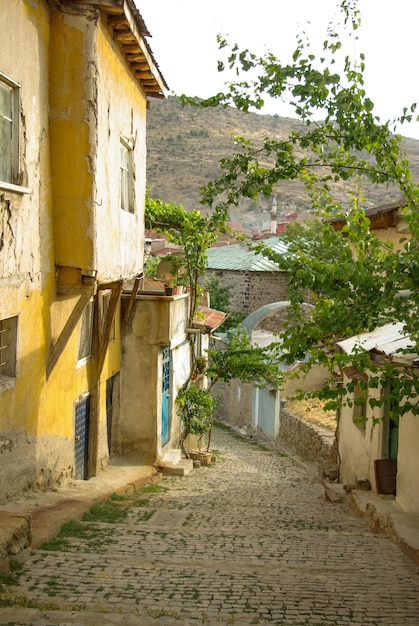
<point>388,339</point>
<point>238,257</point>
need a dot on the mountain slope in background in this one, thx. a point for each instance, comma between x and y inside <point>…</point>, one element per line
<point>185,145</point>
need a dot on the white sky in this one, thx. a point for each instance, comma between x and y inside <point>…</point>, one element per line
<point>185,47</point>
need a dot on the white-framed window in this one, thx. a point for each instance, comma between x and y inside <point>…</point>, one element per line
<point>126,176</point>
<point>8,344</point>
<point>9,130</point>
<point>86,331</point>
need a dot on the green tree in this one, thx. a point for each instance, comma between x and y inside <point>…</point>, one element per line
<point>190,231</point>
<point>239,359</point>
<point>246,362</point>
<point>220,300</point>
<point>220,296</point>
<point>355,281</point>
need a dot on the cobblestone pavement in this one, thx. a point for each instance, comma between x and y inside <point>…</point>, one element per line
<point>248,540</point>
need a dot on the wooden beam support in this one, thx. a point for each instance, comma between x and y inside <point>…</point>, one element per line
<point>139,67</point>
<point>144,76</point>
<point>94,388</point>
<point>124,37</point>
<point>106,324</point>
<point>128,310</point>
<point>116,284</point>
<point>129,48</point>
<point>100,340</point>
<point>117,20</point>
<point>107,5</point>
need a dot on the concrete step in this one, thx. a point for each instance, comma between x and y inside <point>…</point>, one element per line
<point>173,456</point>
<point>181,468</point>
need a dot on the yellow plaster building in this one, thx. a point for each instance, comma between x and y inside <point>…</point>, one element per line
<point>75,80</point>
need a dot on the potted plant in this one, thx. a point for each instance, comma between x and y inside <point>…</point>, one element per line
<point>196,407</point>
<point>175,275</point>
<point>169,287</point>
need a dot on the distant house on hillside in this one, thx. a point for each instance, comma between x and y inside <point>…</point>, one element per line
<point>372,445</point>
<point>386,220</point>
<point>253,279</point>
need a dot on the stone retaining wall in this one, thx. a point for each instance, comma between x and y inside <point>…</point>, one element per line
<point>311,442</point>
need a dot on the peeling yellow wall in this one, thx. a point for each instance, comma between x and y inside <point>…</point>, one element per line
<point>121,113</point>
<point>77,99</point>
<point>72,153</point>
<point>25,221</point>
<point>26,258</point>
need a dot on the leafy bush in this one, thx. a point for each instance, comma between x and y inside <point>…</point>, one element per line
<point>196,409</point>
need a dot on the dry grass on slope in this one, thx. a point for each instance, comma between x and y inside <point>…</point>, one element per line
<point>312,411</point>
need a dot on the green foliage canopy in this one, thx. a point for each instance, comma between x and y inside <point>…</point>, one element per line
<point>246,362</point>
<point>354,281</point>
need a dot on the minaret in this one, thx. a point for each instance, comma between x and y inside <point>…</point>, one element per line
<point>273,216</point>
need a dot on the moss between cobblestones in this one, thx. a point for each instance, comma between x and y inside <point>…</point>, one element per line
<point>90,529</point>
<point>109,512</point>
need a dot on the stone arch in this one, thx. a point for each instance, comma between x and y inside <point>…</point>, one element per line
<point>256,316</point>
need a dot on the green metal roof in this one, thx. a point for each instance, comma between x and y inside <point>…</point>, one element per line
<point>237,256</point>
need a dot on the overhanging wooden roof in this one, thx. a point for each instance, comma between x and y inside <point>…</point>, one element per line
<point>383,216</point>
<point>129,32</point>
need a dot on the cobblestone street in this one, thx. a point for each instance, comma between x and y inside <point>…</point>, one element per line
<point>250,539</point>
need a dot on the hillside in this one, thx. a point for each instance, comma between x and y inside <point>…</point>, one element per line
<point>185,145</point>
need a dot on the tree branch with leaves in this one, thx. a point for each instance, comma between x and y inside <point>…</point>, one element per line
<point>354,280</point>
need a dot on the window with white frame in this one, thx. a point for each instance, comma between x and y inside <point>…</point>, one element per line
<point>85,341</point>
<point>126,177</point>
<point>9,130</point>
<point>8,343</point>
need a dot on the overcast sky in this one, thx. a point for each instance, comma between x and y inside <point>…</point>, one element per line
<point>185,47</point>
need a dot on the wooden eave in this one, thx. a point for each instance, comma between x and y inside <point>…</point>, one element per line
<point>381,217</point>
<point>129,31</point>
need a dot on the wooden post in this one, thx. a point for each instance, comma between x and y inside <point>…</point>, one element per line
<point>100,340</point>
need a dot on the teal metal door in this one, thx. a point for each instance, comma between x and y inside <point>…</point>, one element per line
<point>81,444</point>
<point>165,404</point>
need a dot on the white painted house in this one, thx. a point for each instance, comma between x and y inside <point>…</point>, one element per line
<point>372,452</point>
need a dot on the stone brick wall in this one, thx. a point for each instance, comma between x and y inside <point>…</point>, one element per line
<point>251,290</point>
<point>311,442</point>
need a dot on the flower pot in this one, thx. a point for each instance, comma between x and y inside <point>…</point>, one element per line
<point>169,291</point>
<point>204,458</point>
